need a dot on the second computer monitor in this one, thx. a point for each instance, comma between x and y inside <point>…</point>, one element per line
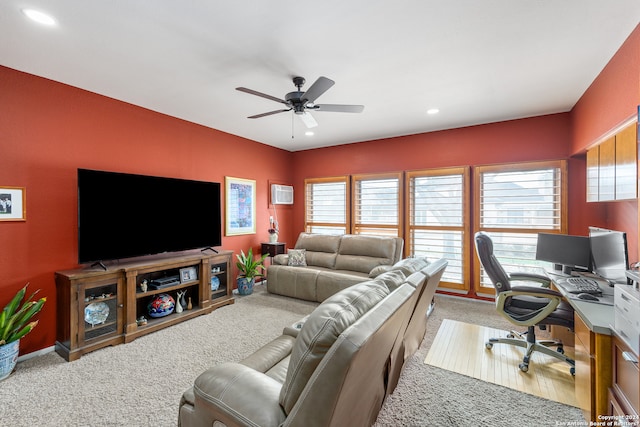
<point>566,252</point>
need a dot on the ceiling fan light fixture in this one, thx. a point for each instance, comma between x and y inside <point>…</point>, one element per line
<point>432,111</point>
<point>39,17</point>
<point>309,133</point>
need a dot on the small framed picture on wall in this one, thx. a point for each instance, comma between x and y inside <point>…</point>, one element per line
<point>13,204</point>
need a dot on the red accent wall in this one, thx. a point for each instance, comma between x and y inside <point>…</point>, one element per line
<point>538,138</point>
<point>612,98</point>
<point>48,130</point>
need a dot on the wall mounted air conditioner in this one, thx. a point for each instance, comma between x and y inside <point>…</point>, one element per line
<point>281,194</point>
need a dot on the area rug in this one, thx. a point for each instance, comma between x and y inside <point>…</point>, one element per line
<point>460,347</point>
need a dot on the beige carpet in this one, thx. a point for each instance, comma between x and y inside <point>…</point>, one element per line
<point>140,384</point>
<point>460,347</point>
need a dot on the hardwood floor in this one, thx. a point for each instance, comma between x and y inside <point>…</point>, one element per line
<point>460,347</point>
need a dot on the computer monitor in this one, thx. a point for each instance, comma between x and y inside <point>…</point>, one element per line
<point>609,254</point>
<point>566,252</point>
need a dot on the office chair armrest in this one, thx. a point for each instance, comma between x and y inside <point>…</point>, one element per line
<point>535,291</point>
<point>530,277</point>
<point>554,300</point>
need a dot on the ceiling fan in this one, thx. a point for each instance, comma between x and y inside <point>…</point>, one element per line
<point>303,102</point>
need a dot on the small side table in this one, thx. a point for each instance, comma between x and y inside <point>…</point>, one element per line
<point>273,249</point>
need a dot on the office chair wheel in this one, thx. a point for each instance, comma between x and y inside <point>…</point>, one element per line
<point>488,345</point>
<point>510,336</point>
<point>572,371</point>
<point>524,367</point>
<point>560,349</point>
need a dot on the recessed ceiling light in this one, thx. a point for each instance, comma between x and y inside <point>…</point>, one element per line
<point>433,111</point>
<point>309,133</point>
<point>39,17</point>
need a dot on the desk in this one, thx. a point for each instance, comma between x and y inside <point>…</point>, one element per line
<point>593,352</point>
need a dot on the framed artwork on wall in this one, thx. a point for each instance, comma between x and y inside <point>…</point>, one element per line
<point>13,205</point>
<point>240,206</point>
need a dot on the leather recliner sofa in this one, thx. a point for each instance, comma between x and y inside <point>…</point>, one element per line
<point>332,263</point>
<point>335,368</point>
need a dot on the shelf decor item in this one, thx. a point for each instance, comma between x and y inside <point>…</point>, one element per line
<point>96,313</point>
<point>160,306</point>
<point>188,274</point>
<point>248,269</point>
<point>273,229</point>
<point>215,283</point>
<point>13,326</point>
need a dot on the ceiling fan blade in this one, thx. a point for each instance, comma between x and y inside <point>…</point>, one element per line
<point>308,120</point>
<point>263,95</point>
<point>318,87</point>
<point>257,116</point>
<point>338,108</point>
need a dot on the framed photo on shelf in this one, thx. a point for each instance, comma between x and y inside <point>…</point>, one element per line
<point>13,204</point>
<point>240,206</point>
<point>188,274</point>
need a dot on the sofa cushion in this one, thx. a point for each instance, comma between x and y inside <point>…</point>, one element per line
<point>379,270</point>
<point>321,330</point>
<point>410,265</point>
<point>297,282</point>
<point>330,282</point>
<point>391,279</point>
<point>364,253</point>
<point>321,249</point>
<point>297,257</point>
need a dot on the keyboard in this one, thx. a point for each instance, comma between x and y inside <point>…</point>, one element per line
<point>581,285</point>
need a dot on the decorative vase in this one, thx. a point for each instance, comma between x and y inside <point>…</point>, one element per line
<point>273,237</point>
<point>180,301</point>
<point>183,299</point>
<point>189,305</point>
<point>8,358</point>
<point>245,286</point>
<point>162,305</point>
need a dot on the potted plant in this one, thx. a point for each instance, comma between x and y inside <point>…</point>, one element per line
<point>248,269</point>
<point>15,324</point>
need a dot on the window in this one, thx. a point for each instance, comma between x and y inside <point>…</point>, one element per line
<point>516,202</point>
<point>327,206</point>
<point>438,220</point>
<point>377,202</point>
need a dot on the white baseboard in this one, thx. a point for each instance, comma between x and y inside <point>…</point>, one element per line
<point>36,353</point>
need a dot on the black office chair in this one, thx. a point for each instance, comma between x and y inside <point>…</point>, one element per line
<point>525,306</point>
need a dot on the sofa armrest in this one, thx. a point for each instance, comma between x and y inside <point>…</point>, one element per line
<point>294,329</point>
<point>281,259</point>
<point>238,395</point>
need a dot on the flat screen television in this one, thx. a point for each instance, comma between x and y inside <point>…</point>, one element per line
<point>609,254</point>
<point>123,215</point>
<point>566,252</point>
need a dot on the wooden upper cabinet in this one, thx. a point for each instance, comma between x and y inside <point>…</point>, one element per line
<point>593,174</point>
<point>612,167</point>
<point>626,163</point>
<point>607,166</point>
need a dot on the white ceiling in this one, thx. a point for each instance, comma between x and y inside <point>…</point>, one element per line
<point>477,61</point>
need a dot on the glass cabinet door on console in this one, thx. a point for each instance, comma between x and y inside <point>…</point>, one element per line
<point>100,308</point>
<point>90,313</point>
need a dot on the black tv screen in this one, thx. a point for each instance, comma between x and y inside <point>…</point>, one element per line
<point>124,215</point>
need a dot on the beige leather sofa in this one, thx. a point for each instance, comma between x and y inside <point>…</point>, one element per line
<point>334,368</point>
<point>332,263</point>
